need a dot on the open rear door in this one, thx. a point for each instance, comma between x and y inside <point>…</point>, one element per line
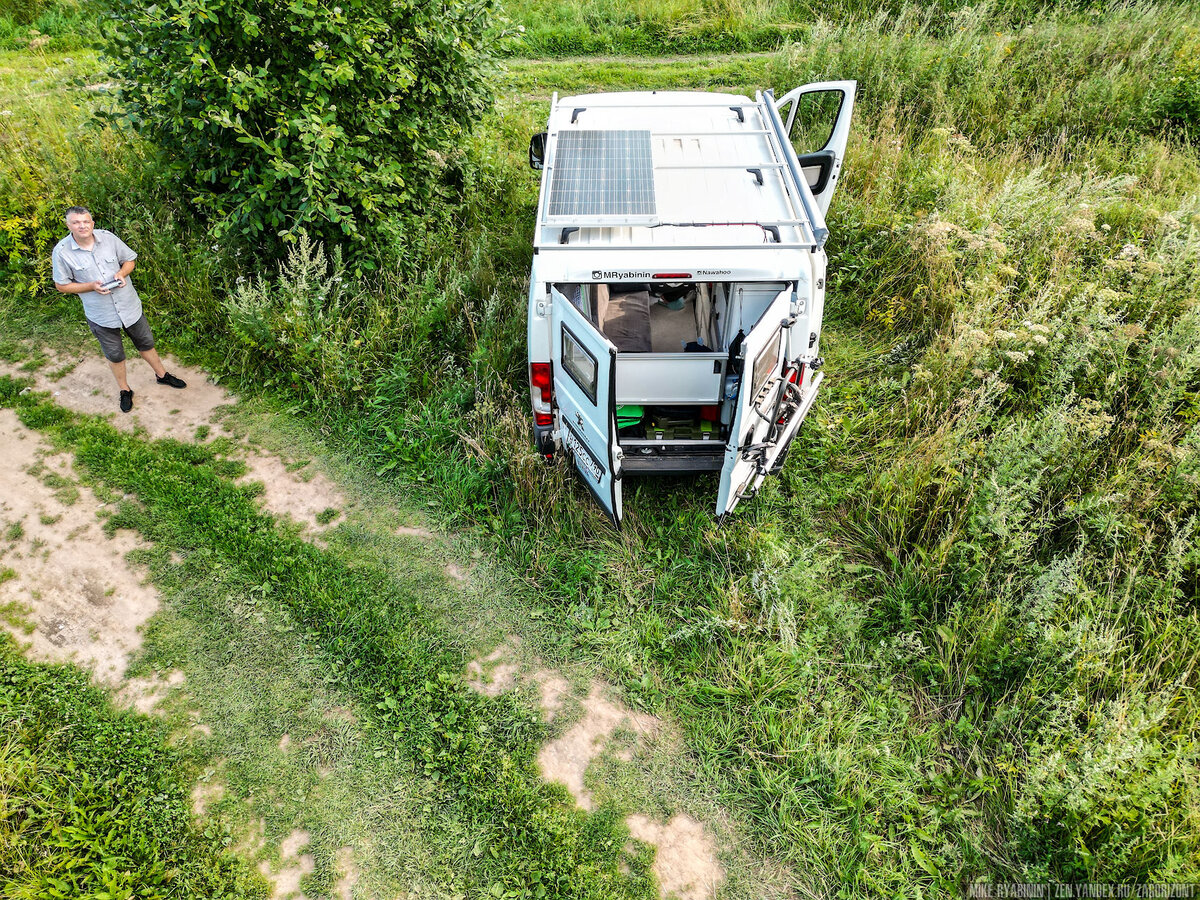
<point>817,119</point>
<point>752,436</point>
<point>585,368</point>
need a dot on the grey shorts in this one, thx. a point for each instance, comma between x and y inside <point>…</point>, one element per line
<point>110,338</point>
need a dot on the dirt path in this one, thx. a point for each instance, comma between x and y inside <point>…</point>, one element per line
<point>79,599</point>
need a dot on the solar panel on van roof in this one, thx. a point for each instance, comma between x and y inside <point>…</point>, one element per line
<point>603,175</point>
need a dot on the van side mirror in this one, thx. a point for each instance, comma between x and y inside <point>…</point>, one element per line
<point>537,151</point>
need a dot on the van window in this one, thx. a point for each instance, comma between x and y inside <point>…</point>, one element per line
<point>579,364</point>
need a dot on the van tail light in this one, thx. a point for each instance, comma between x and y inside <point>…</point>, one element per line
<point>541,392</point>
<point>541,378</point>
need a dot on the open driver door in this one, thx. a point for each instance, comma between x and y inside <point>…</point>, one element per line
<point>817,120</point>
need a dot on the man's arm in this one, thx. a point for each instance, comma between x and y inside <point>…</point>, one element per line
<point>76,287</point>
<point>123,272</point>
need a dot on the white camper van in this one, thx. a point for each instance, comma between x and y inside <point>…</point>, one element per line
<point>678,280</point>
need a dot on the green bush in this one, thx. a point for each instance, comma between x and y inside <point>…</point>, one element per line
<point>302,116</point>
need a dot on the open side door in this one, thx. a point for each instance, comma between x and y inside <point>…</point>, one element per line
<point>585,369</point>
<point>752,436</point>
<point>817,119</point>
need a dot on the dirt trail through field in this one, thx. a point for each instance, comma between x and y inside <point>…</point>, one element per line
<point>68,590</point>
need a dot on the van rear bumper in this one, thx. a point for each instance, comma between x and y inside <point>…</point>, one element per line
<point>672,456</point>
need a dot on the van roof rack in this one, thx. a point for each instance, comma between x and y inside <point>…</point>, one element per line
<point>672,170</point>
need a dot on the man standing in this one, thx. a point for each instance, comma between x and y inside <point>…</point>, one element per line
<point>95,264</point>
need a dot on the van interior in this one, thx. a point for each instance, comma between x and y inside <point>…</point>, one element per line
<point>674,338</point>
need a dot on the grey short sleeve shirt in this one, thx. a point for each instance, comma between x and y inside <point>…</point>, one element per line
<point>73,264</point>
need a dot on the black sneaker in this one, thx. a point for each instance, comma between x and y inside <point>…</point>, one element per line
<point>126,401</point>
<point>171,381</point>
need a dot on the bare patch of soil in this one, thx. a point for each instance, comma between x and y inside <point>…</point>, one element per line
<point>301,495</point>
<point>495,673</point>
<point>341,714</point>
<point>348,873</point>
<point>294,865</point>
<point>686,863</point>
<point>416,532</point>
<point>553,689</point>
<point>162,411</point>
<point>83,601</point>
<point>144,694</point>
<point>205,794</point>
<point>567,758</point>
<point>184,414</point>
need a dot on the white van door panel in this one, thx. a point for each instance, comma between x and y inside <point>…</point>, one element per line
<point>585,365</point>
<point>750,448</point>
<point>817,119</point>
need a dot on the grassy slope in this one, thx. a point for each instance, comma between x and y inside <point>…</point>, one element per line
<point>956,638</point>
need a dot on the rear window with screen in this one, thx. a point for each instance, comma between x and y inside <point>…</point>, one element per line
<point>579,364</point>
<point>766,364</point>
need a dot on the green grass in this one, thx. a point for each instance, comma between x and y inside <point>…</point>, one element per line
<point>956,639</point>
<point>95,803</point>
<point>657,29</point>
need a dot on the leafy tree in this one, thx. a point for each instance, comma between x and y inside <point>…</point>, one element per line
<point>286,116</point>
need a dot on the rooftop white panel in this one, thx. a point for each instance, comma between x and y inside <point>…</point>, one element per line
<point>715,174</point>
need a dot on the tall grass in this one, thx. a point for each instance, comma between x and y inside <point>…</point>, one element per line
<point>48,24</point>
<point>956,639</point>
<point>575,27</point>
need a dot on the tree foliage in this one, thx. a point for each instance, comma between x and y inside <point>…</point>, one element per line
<point>301,115</point>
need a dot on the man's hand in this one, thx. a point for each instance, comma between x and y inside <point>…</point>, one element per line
<point>119,279</point>
<point>98,287</point>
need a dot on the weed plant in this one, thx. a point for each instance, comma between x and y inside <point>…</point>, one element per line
<point>956,639</point>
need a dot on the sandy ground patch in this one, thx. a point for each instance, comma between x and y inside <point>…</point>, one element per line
<point>495,673</point>
<point>553,689</point>
<point>84,602</point>
<point>144,694</point>
<point>162,411</point>
<point>567,758</point>
<point>185,415</point>
<point>301,495</point>
<point>294,865</point>
<point>415,531</point>
<point>348,873</point>
<point>686,863</point>
<point>205,794</point>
